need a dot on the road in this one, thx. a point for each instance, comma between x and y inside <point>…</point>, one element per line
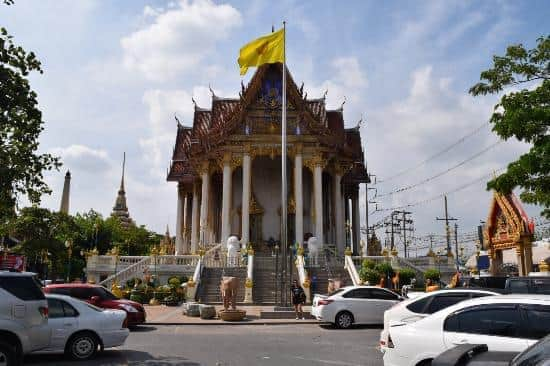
<point>232,345</point>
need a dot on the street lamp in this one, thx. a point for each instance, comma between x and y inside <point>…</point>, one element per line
<point>154,253</point>
<point>115,252</point>
<point>69,246</point>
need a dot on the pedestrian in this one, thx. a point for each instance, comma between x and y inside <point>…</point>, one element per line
<point>298,299</point>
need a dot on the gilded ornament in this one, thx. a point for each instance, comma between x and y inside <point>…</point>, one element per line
<point>543,266</point>
<point>306,283</point>
<point>348,251</point>
<point>190,283</point>
<point>248,283</point>
<point>300,251</point>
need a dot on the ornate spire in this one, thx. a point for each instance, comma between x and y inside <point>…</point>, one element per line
<point>120,209</point>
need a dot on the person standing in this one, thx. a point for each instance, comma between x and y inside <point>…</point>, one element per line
<point>298,299</point>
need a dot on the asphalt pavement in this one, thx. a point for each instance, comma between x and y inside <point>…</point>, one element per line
<point>232,345</point>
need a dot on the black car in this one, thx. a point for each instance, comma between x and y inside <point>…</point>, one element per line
<point>477,355</point>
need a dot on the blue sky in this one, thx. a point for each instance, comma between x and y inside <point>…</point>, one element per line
<point>116,72</point>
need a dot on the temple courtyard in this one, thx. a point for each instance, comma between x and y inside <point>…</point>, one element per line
<point>225,345</point>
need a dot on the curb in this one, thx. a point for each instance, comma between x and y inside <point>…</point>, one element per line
<point>255,322</point>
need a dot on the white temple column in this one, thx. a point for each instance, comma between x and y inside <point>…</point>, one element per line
<point>245,207</point>
<point>226,198</point>
<point>205,179</point>
<point>179,221</point>
<point>195,219</point>
<point>355,223</point>
<point>339,217</point>
<point>186,222</point>
<point>318,187</point>
<point>298,194</point>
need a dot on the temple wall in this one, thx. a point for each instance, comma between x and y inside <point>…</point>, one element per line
<point>266,185</point>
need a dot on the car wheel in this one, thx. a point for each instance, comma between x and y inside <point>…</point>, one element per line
<point>7,355</point>
<point>344,320</point>
<point>82,346</point>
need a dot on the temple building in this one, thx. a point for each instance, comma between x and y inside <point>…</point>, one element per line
<point>228,169</point>
<point>120,209</point>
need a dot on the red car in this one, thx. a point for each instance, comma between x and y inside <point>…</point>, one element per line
<point>101,297</point>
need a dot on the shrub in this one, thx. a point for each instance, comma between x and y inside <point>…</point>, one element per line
<point>432,274</point>
<point>385,269</point>
<point>132,282</point>
<point>406,275</point>
<point>174,281</point>
<point>368,264</point>
<point>370,275</point>
<point>183,279</point>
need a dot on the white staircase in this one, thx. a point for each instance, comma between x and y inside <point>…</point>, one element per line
<point>135,270</point>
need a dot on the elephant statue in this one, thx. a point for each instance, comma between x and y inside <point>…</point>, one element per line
<point>233,246</point>
<point>228,290</point>
<point>314,248</point>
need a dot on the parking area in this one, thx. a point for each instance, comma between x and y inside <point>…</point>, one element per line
<point>224,345</point>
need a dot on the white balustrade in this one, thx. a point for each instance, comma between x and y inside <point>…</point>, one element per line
<point>135,270</point>
<point>350,266</point>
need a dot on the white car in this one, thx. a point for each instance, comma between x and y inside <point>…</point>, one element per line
<point>508,323</point>
<point>354,305</point>
<point>425,304</point>
<point>79,329</point>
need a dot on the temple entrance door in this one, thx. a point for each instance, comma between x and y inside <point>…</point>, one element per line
<point>255,233</point>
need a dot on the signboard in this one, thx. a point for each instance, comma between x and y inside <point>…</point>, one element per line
<point>483,262</point>
<point>12,262</point>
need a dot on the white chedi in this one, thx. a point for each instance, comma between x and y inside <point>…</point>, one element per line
<point>233,246</point>
<point>314,247</point>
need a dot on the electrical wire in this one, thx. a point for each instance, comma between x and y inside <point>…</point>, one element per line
<point>459,188</point>
<point>411,186</point>
<point>441,152</point>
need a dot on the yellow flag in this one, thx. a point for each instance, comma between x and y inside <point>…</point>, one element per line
<point>264,50</point>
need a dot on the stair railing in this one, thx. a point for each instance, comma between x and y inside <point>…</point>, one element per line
<point>302,273</point>
<point>249,282</point>
<point>195,282</point>
<point>350,266</point>
<point>134,270</point>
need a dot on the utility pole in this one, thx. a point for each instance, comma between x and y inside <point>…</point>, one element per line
<point>447,231</point>
<point>456,247</point>
<point>406,221</point>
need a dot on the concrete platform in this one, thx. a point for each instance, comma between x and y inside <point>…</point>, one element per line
<point>173,315</point>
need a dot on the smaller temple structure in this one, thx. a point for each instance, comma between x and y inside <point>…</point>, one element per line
<point>167,245</point>
<point>120,209</point>
<point>508,228</point>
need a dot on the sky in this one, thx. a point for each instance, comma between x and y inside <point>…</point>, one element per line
<point>116,72</point>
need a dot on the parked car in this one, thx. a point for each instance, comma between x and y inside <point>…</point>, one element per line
<point>23,316</point>
<point>101,297</point>
<point>528,285</point>
<point>484,281</point>
<point>507,323</point>
<point>428,303</point>
<point>478,355</point>
<point>354,305</point>
<point>80,329</point>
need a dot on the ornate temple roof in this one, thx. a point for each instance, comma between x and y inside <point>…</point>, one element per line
<point>214,127</point>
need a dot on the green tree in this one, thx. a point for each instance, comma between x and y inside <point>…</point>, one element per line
<point>21,166</point>
<point>525,115</point>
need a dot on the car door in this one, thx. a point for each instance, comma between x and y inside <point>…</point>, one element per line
<point>497,325</point>
<point>357,302</point>
<point>381,300</point>
<point>62,322</point>
<point>536,321</point>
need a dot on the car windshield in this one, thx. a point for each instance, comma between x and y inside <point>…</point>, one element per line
<point>537,352</point>
<point>104,293</point>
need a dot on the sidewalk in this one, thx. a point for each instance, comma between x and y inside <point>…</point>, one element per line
<point>173,315</point>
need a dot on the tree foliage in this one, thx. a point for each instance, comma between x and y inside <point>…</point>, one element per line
<point>21,166</point>
<point>525,115</point>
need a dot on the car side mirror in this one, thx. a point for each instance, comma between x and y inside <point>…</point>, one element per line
<point>95,299</point>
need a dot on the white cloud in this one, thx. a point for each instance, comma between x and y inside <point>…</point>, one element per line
<point>86,158</point>
<point>178,39</point>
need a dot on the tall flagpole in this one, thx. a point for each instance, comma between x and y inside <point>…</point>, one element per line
<point>284,236</point>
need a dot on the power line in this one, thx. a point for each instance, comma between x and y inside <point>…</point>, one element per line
<point>459,188</point>
<point>458,142</point>
<point>411,186</point>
